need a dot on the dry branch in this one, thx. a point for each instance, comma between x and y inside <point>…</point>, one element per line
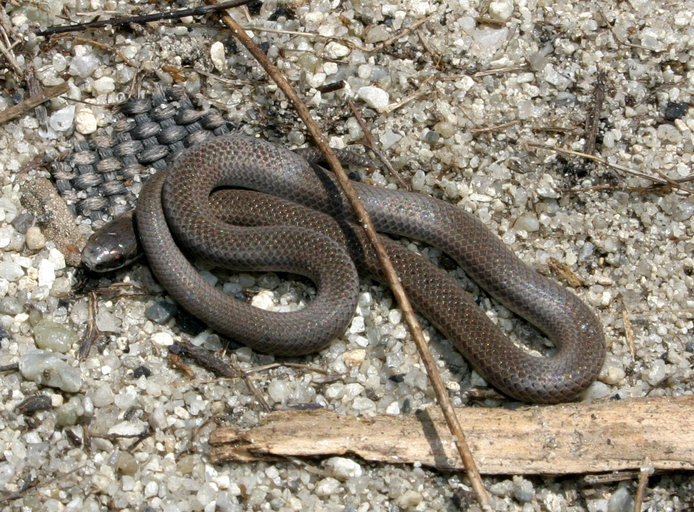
<point>561,439</point>
<point>22,108</point>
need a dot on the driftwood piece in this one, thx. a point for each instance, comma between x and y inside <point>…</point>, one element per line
<point>561,439</point>
<point>39,196</point>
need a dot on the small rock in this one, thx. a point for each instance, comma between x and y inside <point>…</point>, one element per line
<point>83,65</point>
<point>34,238</point>
<point>596,391</point>
<point>128,428</point>
<point>102,396</point>
<point>61,121</point>
<point>161,312</point>
<point>54,336</point>
<point>621,500</point>
<point>8,210</point>
<point>70,412</point>
<point>46,273</point>
<point>263,300</point>
<point>676,110</point>
<point>342,468</point>
<point>10,306</point>
<point>126,463</point>
<point>354,358</point>
<point>357,325</point>
<point>327,487</point>
<point>501,10</point>
<point>523,489</point>
<point>48,369</point>
<point>163,339</point>
<point>5,236</point>
<point>408,499</point>
<point>375,97</point>
<point>527,222</point>
<point>613,376</point>
<point>21,222</point>
<point>218,56</point>
<point>140,371</point>
<point>104,85</point>
<point>278,391</point>
<point>655,373</point>
<point>85,121</point>
<point>107,321</point>
<point>335,50</point>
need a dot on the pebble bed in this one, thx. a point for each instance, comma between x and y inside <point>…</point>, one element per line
<point>454,103</point>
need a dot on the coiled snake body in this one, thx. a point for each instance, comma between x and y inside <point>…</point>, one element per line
<point>250,231</point>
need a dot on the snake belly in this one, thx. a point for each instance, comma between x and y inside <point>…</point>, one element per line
<point>310,231</point>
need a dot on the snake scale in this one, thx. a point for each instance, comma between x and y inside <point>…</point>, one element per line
<point>298,221</point>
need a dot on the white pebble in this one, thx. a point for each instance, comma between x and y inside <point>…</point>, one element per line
<point>354,358</point>
<point>218,56</point>
<point>418,180</point>
<point>393,408</point>
<point>56,258</point>
<point>46,273</point>
<point>54,336</point>
<point>48,369</point>
<point>501,10</point>
<point>85,121</point>
<point>151,489</point>
<point>335,50</point>
<point>104,85</point>
<point>5,236</point>
<point>408,499</point>
<point>127,428</point>
<point>83,65</point>
<point>8,210</point>
<point>263,300</point>
<point>613,376</point>
<point>163,339</point>
<point>327,487</point>
<point>357,325</point>
<point>527,222</point>
<point>655,373</point>
<point>35,240</point>
<point>278,391</point>
<point>389,138</point>
<point>375,97</point>
<point>102,396</point>
<point>10,270</point>
<point>342,468</point>
<point>61,121</point>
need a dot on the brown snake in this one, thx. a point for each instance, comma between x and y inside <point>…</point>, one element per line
<point>250,231</point>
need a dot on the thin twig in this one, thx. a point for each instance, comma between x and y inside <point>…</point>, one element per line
<point>92,332</point>
<point>142,19</point>
<point>220,367</point>
<point>31,102</point>
<point>36,484</point>
<point>371,144</point>
<point>99,44</point>
<point>363,219</point>
<point>593,117</point>
<point>620,168</point>
<point>628,331</point>
<point>644,474</point>
<point>495,127</point>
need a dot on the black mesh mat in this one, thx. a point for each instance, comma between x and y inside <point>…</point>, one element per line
<point>104,174</point>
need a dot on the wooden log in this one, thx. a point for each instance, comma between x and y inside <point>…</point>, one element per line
<point>562,439</point>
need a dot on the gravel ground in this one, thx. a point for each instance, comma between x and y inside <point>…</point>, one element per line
<point>459,103</point>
